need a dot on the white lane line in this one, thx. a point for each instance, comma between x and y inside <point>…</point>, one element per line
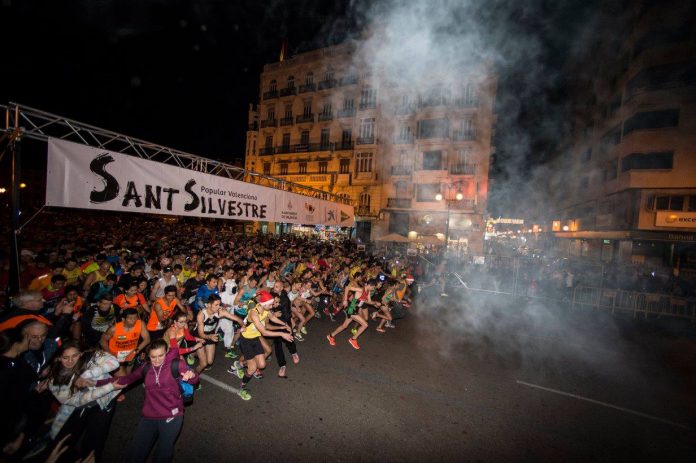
<point>604,404</point>
<point>219,383</point>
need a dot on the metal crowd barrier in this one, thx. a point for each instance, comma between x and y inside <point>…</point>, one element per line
<point>637,303</point>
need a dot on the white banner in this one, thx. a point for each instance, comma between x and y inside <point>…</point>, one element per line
<point>92,178</point>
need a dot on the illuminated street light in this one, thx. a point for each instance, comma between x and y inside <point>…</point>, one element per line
<point>22,185</point>
<point>2,190</point>
<point>439,197</point>
<point>566,228</point>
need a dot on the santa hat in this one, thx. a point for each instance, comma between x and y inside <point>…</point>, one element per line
<point>264,298</point>
<point>409,278</point>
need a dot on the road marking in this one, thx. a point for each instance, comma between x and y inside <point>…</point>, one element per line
<point>219,383</point>
<point>615,407</point>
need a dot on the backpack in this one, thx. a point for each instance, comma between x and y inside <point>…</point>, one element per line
<point>185,389</point>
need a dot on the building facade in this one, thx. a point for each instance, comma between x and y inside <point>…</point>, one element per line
<point>626,189</point>
<point>414,161</point>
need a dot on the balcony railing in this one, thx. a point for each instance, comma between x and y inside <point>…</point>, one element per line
<point>286,121</point>
<point>270,94</point>
<point>346,112</point>
<point>365,211</point>
<point>466,102</point>
<point>401,170</point>
<point>399,203</point>
<point>365,141</point>
<point>304,148</point>
<point>304,88</point>
<point>432,102</point>
<point>344,145</point>
<point>372,104</point>
<point>266,151</point>
<point>325,117</point>
<point>324,84</point>
<point>464,135</point>
<point>305,118</point>
<point>464,204</point>
<point>288,91</point>
<point>462,169</point>
<point>403,140</point>
<point>349,80</point>
<point>269,123</point>
<point>404,109</point>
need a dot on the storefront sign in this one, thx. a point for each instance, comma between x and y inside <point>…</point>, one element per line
<point>673,219</point>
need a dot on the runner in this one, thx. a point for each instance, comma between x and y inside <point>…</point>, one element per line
<point>125,339</point>
<point>250,342</point>
<point>352,309</point>
<point>162,309</point>
<point>179,335</point>
<point>207,324</point>
<point>285,315</point>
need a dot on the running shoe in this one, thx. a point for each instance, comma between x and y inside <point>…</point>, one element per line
<point>232,370</point>
<point>295,358</point>
<point>258,374</point>
<point>303,330</point>
<point>354,330</point>
<point>240,373</point>
<point>208,368</point>
<point>298,337</point>
<point>231,354</point>
<point>190,360</point>
<point>354,343</point>
<point>331,339</point>
<point>331,316</point>
<point>390,325</point>
<point>237,365</point>
<point>199,386</point>
<point>244,394</point>
<point>374,315</point>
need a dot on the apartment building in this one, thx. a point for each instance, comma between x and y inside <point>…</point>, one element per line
<point>414,161</point>
<point>626,183</point>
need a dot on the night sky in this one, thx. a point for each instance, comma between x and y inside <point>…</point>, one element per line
<point>182,73</point>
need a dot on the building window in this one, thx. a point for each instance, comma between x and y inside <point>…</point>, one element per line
<point>344,167</point>
<point>651,120</point>
<point>364,162</point>
<point>325,137</point>
<point>346,136</point>
<point>368,98</point>
<point>269,141</point>
<point>367,128</point>
<point>309,78</point>
<point>304,137</point>
<point>326,109</point>
<point>323,167</point>
<point>348,103</point>
<point>692,203</point>
<point>303,167</point>
<point>291,81</point>
<point>307,108</point>
<point>469,96</point>
<point>463,156</point>
<point>364,201</point>
<point>432,160</point>
<point>610,171</point>
<point>585,156</point>
<point>611,138</point>
<point>288,111</point>
<point>467,129</point>
<point>270,113</point>
<point>647,161</point>
<point>284,168</point>
<point>669,203</point>
<point>286,142</point>
<point>273,86</point>
<point>426,192</point>
<point>401,189</point>
<point>266,168</point>
<point>433,128</point>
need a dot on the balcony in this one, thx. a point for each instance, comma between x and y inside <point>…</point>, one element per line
<point>288,91</point>
<point>404,110</point>
<point>466,102</point>
<point>346,112</point>
<point>462,169</point>
<point>365,141</point>
<point>270,94</point>
<point>286,121</point>
<point>344,145</point>
<point>269,123</point>
<point>324,84</point>
<point>253,126</point>
<point>267,151</point>
<point>310,177</point>
<point>304,148</point>
<point>401,170</point>
<point>466,204</point>
<point>372,104</point>
<point>305,118</point>
<point>403,140</point>
<point>399,203</point>
<point>349,80</point>
<point>325,117</point>
<point>433,102</point>
<point>304,88</point>
<point>464,135</point>
<point>365,211</point>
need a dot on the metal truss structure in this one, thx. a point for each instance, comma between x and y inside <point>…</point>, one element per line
<point>40,125</point>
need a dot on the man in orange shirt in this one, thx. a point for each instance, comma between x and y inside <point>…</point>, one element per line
<point>125,339</point>
<point>162,309</point>
<point>132,299</point>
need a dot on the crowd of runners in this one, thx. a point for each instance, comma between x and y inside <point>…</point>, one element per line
<point>161,303</point>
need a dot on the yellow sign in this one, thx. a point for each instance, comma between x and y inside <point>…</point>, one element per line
<point>674,219</point>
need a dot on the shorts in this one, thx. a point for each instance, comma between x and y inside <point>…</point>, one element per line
<point>251,347</point>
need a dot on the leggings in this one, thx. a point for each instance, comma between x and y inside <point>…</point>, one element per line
<point>164,431</point>
<point>280,355</point>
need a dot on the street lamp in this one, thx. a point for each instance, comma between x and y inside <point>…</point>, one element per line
<point>448,201</point>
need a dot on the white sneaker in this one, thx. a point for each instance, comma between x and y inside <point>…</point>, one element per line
<point>390,325</point>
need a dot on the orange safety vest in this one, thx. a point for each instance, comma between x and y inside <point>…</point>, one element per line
<point>123,344</point>
<point>154,323</point>
<point>125,302</point>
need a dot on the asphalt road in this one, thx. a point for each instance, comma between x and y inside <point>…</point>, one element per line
<point>460,379</point>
